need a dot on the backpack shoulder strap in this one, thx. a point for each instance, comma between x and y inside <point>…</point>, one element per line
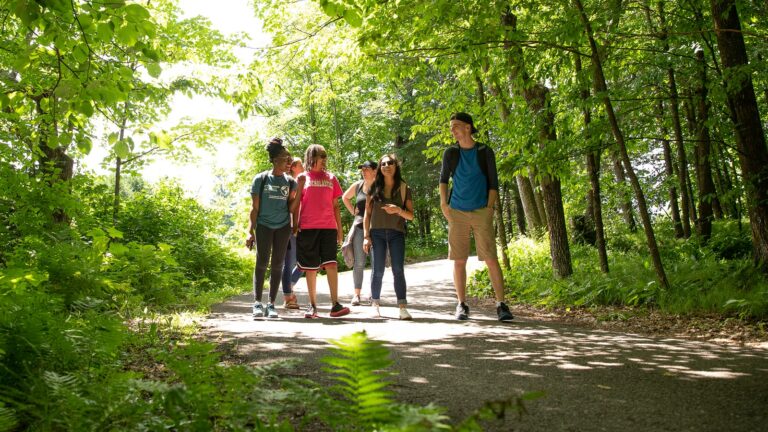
<point>403,192</point>
<point>358,187</point>
<point>264,175</point>
<point>453,155</point>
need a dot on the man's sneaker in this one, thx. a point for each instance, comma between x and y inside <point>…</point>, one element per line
<point>355,300</point>
<point>258,310</point>
<point>338,310</point>
<point>404,315</point>
<point>462,312</point>
<point>375,304</point>
<point>271,312</point>
<point>290,301</point>
<point>311,312</point>
<point>503,311</point>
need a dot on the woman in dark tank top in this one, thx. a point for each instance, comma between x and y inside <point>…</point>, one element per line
<point>359,192</point>
<point>388,206</point>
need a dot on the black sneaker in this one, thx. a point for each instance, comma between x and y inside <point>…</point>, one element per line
<point>503,311</point>
<point>338,310</point>
<point>462,312</point>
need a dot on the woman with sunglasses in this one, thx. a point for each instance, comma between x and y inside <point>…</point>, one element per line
<point>388,206</point>
<point>319,227</point>
<point>359,193</point>
<point>270,225</point>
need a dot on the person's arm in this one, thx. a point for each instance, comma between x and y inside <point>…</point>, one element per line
<point>249,241</point>
<point>493,178</point>
<point>367,225</point>
<point>296,204</point>
<point>347,199</point>
<point>337,216</point>
<point>493,195</point>
<point>444,199</point>
<point>407,212</point>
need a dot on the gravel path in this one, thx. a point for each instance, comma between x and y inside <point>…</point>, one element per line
<point>593,380</point>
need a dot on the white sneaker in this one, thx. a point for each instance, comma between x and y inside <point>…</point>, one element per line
<point>258,310</point>
<point>404,315</point>
<point>375,304</point>
<point>355,300</point>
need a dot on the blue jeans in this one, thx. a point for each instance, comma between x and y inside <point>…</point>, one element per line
<point>291,273</point>
<point>383,240</point>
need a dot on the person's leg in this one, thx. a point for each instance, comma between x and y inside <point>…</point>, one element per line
<point>485,242</point>
<point>458,250</point>
<point>396,243</point>
<point>332,274</point>
<point>280,240</point>
<point>311,276</point>
<point>288,265</point>
<point>358,268</point>
<point>379,254</point>
<point>263,250</point>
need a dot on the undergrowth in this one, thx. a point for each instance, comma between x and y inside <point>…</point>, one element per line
<point>713,278</point>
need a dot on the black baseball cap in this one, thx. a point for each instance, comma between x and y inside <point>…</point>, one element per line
<point>466,118</point>
<point>368,164</point>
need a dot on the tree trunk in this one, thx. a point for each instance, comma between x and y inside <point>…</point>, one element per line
<point>500,228</point>
<point>537,194</point>
<point>593,169</point>
<point>601,88</point>
<point>670,169</point>
<point>518,207</point>
<point>625,201</point>
<point>536,98</point>
<point>703,168</point>
<point>753,155</point>
<point>682,160</point>
<point>523,184</point>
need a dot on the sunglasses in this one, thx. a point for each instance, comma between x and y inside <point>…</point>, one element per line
<point>387,163</point>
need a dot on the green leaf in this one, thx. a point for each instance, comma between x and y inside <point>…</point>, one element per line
<point>153,69</point>
<point>118,249</point>
<point>122,150</point>
<point>114,232</point>
<point>353,18</point>
<point>84,144</point>
<point>136,12</point>
<point>127,35</point>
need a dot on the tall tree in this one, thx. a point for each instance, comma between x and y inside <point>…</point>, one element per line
<point>753,154</point>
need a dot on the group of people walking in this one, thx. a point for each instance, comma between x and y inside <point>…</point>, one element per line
<point>295,223</point>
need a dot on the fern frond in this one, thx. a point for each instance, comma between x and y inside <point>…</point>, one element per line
<point>8,420</point>
<point>358,365</point>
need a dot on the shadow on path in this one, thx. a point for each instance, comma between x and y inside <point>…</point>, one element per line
<point>593,380</point>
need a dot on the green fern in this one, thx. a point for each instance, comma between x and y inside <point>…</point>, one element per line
<point>8,419</point>
<point>358,364</point>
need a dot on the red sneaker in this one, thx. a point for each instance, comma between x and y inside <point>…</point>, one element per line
<point>338,310</point>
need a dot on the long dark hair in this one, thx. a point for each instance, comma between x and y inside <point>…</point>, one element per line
<point>377,189</point>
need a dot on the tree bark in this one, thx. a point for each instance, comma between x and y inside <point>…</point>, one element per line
<point>670,169</point>
<point>753,155</point>
<point>501,230</point>
<point>523,184</point>
<point>601,88</point>
<point>703,168</point>
<point>625,202</point>
<point>682,160</point>
<point>537,194</point>
<point>537,100</point>
<point>593,170</point>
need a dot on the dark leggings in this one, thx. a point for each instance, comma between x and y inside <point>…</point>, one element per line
<point>269,242</point>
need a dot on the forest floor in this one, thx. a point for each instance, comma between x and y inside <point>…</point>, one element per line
<point>603,369</point>
<point>713,328</point>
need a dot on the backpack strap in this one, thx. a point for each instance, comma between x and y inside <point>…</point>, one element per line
<point>264,176</point>
<point>403,193</point>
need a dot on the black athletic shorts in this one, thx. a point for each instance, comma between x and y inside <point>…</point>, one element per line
<point>316,248</point>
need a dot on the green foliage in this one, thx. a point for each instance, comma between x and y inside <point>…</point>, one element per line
<point>702,280</point>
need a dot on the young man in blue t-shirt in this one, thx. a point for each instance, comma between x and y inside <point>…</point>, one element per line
<point>468,208</point>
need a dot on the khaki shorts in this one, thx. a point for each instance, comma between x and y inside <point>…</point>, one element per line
<point>480,223</point>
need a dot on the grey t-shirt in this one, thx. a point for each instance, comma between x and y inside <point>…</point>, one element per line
<point>273,203</point>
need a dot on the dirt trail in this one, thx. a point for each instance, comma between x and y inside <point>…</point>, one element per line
<point>593,380</point>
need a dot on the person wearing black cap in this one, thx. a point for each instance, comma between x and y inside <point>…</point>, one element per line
<point>468,208</point>
<point>359,191</point>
